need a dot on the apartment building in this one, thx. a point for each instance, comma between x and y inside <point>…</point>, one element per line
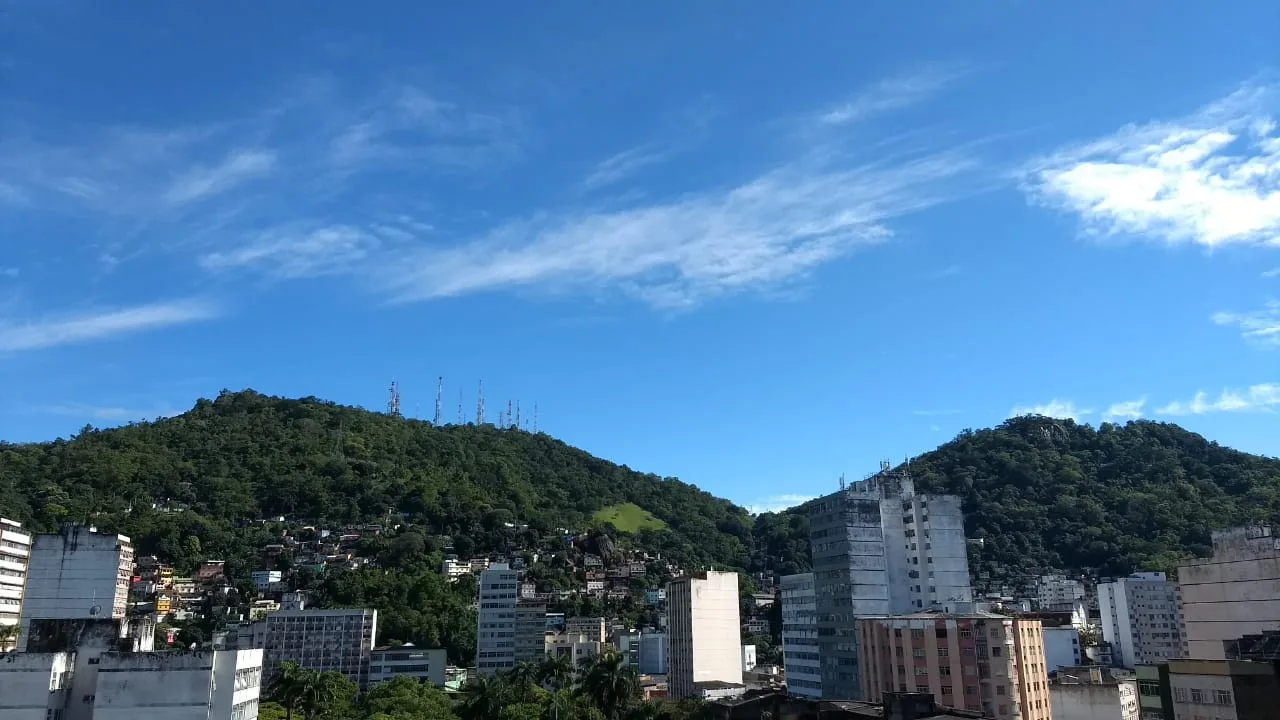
<point>652,656</point>
<point>1141,619</point>
<point>704,637</point>
<point>578,647</point>
<point>1058,592</point>
<point>592,627</point>
<point>881,549</point>
<point>78,573</point>
<point>531,631</point>
<point>338,640</point>
<point>425,665</point>
<point>15,551</point>
<point>1224,689</point>
<point>1093,693</point>
<point>977,661</point>
<point>1234,593</point>
<point>496,620</point>
<point>800,636</point>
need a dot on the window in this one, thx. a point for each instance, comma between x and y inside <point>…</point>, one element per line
<point>1149,687</point>
<point>922,688</point>
<point>999,689</point>
<point>922,670</point>
<point>995,652</point>
<point>918,652</point>
<point>1180,694</point>
<point>1223,697</point>
<point>943,651</point>
<point>966,633</point>
<point>1197,695</point>
<point>917,634</point>
<point>941,633</point>
<point>946,689</point>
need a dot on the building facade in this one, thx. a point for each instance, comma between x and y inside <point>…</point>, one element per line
<point>800,636</point>
<point>979,661</point>
<point>223,684</point>
<point>496,620</point>
<point>1058,592</point>
<point>531,631</point>
<point>15,551</point>
<point>77,573</point>
<point>421,664</point>
<point>1155,696</point>
<point>880,549</point>
<point>1061,647</point>
<point>1141,619</point>
<point>322,640</point>
<point>1234,593</point>
<point>652,657</point>
<point>1093,693</point>
<point>1224,689</point>
<point>592,627</point>
<point>704,640</point>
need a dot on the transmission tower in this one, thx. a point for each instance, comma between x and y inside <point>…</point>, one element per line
<point>535,418</point>
<point>508,414</point>
<point>459,406</point>
<point>518,415</point>
<point>480,405</point>
<point>393,399</point>
<point>439,400</point>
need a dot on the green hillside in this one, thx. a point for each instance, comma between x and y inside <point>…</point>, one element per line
<point>628,517</point>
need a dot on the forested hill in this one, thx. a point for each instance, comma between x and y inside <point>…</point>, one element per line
<point>245,456</point>
<point>1053,493</point>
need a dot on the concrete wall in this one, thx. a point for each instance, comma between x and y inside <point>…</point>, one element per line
<point>1061,647</point>
<point>1234,593</point>
<point>154,686</point>
<point>77,574</point>
<point>31,683</point>
<point>704,638</point>
<point>1094,702</point>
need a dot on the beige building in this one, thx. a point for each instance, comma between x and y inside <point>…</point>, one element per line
<point>15,550</point>
<point>979,661</point>
<point>575,646</point>
<point>592,627</point>
<point>704,634</point>
<point>1234,593</point>
<point>1224,690</point>
<point>531,630</point>
<point>1094,693</point>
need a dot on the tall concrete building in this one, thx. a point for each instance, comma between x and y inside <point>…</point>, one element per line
<point>1058,592</point>
<point>496,620</point>
<point>704,649</point>
<point>79,573</point>
<point>1141,619</point>
<point>323,640</point>
<point>531,631</point>
<point>800,636</point>
<point>1224,689</point>
<point>978,661</point>
<point>881,549</point>
<point>15,550</point>
<point>1232,594</point>
<point>1094,692</point>
<point>652,658</point>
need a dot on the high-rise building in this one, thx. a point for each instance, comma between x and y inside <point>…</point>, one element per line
<point>880,549</point>
<point>322,640</point>
<point>1094,692</point>
<point>978,661</point>
<point>78,573</point>
<point>800,636</point>
<point>1058,592</point>
<point>704,641</point>
<point>652,658</point>
<point>1232,594</point>
<point>1141,619</point>
<point>424,665</point>
<point>15,550</point>
<point>496,620</point>
<point>531,631</point>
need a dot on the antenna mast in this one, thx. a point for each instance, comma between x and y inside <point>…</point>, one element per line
<point>508,414</point>
<point>480,405</point>
<point>535,418</point>
<point>518,415</point>
<point>439,400</point>
<point>393,399</point>
<point>459,406</point>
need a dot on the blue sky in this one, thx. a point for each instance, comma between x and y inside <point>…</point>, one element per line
<point>748,246</point>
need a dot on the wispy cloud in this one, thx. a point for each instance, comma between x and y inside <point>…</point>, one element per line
<point>1212,178</point>
<point>52,332</point>
<point>1127,410</point>
<point>100,413</point>
<point>1261,327</point>
<point>200,182</point>
<point>1256,398</point>
<point>296,252</point>
<point>1272,273</point>
<point>777,503</point>
<point>1056,408</point>
<point>623,165</point>
<point>772,229</point>
<point>937,412</point>
<point>892,94</point>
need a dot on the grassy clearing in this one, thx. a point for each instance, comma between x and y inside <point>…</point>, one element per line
<point>628,517</point>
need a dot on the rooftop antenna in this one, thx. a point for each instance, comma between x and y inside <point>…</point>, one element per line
<point>459,406</point>
<point>439,400</point>
<point>393,399</point>
<point>841,481</point>
<point>480,405</point>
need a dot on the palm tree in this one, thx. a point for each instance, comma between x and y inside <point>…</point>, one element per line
<point>483,699</point>
<point>321,692</point>
<point>557,672</point>
<point>611,684</point>
<point>523,678</point>
<point>287,686</point>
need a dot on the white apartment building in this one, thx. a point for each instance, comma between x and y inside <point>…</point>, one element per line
<point>531,631</point>
<point>338,640</point>
<point>1141,619</point>
<point>652,658</point>
<point>592,627</point>
<point>15,550</point>
<point>421,664</point>
<point>704,635</point>
<point>800,636</point>
<point>496,620</point>
<point>454,568</point>
<point>1058,592</point>
<point>1061,647</point>
<point>78,573</point>
<point>264,579</point>
<point>881,549</point>
<point>1232,594</point>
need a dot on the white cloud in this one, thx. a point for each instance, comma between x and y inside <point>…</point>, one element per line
<point>52,332</point>
<point>1264,397</point>
<point>1261,327</point>
<point>892,94</point>
<point>295,253</point>
<point>1212,178</point>
<point>200,182</point>
<point>1064,409</point>
<point>1128,410</point>
<point>774,228</point>
<point>622,165</point>
<point>107,413</point>
<point>777,503</point>
<point>1274,272</point>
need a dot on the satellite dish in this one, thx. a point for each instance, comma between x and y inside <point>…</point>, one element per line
<point>95,611</point>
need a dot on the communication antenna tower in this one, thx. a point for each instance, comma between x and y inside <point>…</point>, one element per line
<point>535,418</point>
<point>480,405</point>
<point>518,415</point>
<point>393,399</point>
<point>508,414</point>
<point>841,481</point>
<point>439,401</point>
<point>459,406</point>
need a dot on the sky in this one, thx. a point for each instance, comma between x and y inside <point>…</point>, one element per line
<point>751,246</point>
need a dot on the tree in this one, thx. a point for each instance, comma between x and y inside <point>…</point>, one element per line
<point>523,680</point>
<point>484,699</point>
<point>406,699</point>
<point>9,636</point>
<point>326,695</point>
<point>611,684</point>
<point>272,711</point>
<point>556,672</point>
<point>286,687</point>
